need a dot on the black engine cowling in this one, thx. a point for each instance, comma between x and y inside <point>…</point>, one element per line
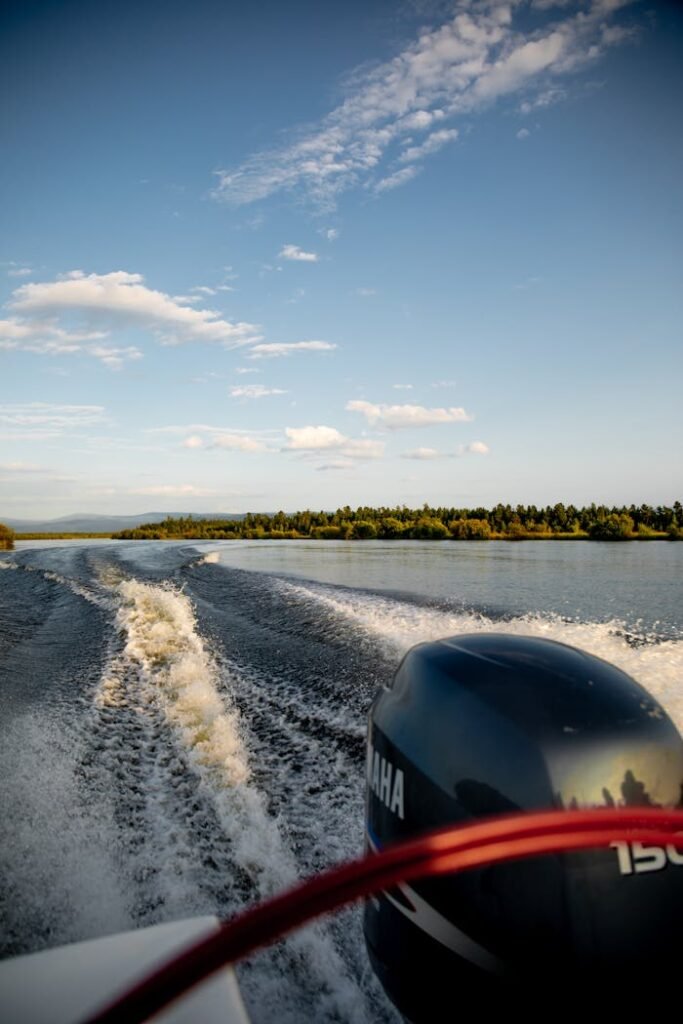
<point>476,726</point>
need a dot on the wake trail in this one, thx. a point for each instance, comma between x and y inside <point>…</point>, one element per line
<point>398,625</point>
<point>164,711</point>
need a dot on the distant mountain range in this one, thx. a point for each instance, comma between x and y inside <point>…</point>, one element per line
<point>86,522</point>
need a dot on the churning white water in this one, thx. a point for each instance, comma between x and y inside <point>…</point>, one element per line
<point>183,735</point>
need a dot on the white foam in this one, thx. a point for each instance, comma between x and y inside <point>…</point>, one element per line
<point>656,664</point>
<point>98,599</point>
<point>178,676</point>
<point>56,858</point>
<point>213,558</point>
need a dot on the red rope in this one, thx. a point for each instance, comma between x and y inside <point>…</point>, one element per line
<point>436,853</point>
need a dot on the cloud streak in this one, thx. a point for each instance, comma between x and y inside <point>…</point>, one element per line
<point>478,56</point>
<point>398,417</point>
<point>276,350</point>
<point>40,421</point>
<point>255,391</point>
<point>46,338</point>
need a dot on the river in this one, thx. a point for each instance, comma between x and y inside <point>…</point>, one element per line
<point>183,724</point>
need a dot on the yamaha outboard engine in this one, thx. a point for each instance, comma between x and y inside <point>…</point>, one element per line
<point>476,726</point>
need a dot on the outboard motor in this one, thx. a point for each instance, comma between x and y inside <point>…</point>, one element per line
<point>477,726</point>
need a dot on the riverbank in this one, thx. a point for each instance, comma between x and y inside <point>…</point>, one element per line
<point>292,535</point>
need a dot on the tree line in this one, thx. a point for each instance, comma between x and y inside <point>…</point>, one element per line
<point>502,522</point>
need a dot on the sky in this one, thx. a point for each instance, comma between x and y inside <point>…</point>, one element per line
<point>301,255</point>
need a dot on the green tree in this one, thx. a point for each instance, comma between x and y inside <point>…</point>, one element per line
<point>614,526</point>
<point>363,529</point>
<point>429,528</point>
<point>390,528</point>
<point>470,529</point>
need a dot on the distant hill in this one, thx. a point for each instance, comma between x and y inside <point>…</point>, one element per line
<point>86,522</point>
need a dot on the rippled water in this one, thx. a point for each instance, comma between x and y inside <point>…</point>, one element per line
<point>183,725</point>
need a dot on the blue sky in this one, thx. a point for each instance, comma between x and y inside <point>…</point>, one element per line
<point>304,255</point>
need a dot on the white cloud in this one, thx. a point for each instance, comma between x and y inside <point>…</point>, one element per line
<point>396,417</point>
<point>194,441</point>
<point>314,438</point>
<point>476,448</point>
<point>431,145</point>
<point>443,383</point>
<point>366,292</point>
<point>255,391</point>
<point>276,349</point>
<point>20,272</point>
<point>239,443</point>
<point>402,387</point>
<point>46,338</point>
<point>293,252</point>
<point>203,428</point>
<point>321,438</point>
<point>523,133</point>
<point>203,289</point>
<point>331,234</point>
<point>546,98</point>
<point>421,453</point>
<point>481,53</point>
<point>113,356</point>
<point>247,369</point>
<point>397,179</point>
<point>122,299</point>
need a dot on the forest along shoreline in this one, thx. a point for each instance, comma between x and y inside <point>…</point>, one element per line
<point>502,522</point>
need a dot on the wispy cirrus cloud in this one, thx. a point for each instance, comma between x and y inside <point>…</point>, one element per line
<point>276,349</point>
<point>481,54</point>
<point>106,302</point>
<point>255,391</point>
<point>45,337</point>
<point>397,417</point>
<point>396,179</point>
<point>546,98</point>
<point>432,144</point>
<point>37,421</point>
